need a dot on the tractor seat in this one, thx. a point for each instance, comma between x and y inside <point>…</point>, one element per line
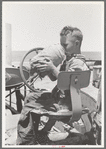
<point>72,81</point>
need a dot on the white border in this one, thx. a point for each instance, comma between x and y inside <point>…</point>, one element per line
<point>3,85</point>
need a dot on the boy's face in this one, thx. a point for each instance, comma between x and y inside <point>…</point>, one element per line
<point>69,44</point>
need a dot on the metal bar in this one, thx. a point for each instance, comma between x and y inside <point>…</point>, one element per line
<point>18,101</point>
<point>24,91</point>
<point>10,97</point>
<point>15,90</point>
<point>11,109</point>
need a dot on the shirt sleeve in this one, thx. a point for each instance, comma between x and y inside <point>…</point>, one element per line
<point>77,65</point>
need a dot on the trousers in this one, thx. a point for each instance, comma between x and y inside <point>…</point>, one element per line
<point>36,100</point>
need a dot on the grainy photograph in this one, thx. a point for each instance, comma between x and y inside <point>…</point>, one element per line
<point>53,74</point>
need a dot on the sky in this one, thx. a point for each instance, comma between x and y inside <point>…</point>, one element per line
<point>38,24</point>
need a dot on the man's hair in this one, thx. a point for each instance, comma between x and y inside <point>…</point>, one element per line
<point>74,31</point>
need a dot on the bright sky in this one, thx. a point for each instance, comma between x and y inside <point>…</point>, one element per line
<point>38,24</point>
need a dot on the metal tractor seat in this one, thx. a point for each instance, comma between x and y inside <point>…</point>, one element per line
<point>72,81</point>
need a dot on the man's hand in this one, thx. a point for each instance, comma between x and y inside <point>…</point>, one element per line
<point>45,65</point>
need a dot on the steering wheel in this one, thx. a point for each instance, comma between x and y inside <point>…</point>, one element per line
<point>29,82</point>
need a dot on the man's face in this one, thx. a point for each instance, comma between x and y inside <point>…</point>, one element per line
<point>69,44</point>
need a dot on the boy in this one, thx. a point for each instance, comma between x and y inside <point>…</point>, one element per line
<point>70,39</point>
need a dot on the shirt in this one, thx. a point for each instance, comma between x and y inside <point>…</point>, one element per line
<point>56,53</point>
<point>76,63</point>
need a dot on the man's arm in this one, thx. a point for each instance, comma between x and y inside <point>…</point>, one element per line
<point>46,66</point>
<point>54,73</point>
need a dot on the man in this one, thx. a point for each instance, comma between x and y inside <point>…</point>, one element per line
<point>70,40</point>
